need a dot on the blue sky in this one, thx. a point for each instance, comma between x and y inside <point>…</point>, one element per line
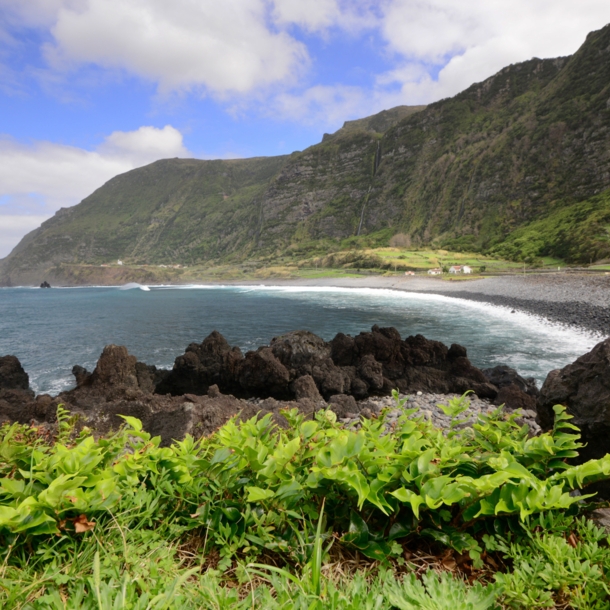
<point>93,88</point>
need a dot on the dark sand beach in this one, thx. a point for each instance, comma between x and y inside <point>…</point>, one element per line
<point>574,299</point>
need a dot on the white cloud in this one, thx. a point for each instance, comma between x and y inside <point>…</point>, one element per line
<point>311,15</point>
<point>144,145</point>
<point>14,227</point>
<point>324,106</point>
<point>224,47</point>
<point>471,41</point>
<point>37,179</point>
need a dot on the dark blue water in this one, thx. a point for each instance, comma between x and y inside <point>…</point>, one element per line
<point>51,330</point>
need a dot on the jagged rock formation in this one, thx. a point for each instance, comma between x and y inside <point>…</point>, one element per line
<point>212,382</point>
<point>521,147</point>
<point>372,363</point>
<point>584,388</point>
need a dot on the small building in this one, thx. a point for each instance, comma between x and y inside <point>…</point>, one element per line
<point>409,272</point>
<point>436,271</point>
<point>466,269</point>
<point>455,269</point>
<point>119,262</point>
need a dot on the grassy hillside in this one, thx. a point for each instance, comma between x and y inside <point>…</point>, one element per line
<point>516,166</point>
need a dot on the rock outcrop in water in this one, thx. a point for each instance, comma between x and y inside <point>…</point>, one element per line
<point>372,363</point>
<point>213,381</point>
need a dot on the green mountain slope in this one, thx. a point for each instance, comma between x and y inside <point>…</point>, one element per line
<point>524,154</point>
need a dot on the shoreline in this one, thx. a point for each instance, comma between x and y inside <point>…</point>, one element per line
<point>580,301</point>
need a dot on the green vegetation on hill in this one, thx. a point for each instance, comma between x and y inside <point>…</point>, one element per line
<point>577,233</point>
<point>310,516</point>
<point>522,153</point>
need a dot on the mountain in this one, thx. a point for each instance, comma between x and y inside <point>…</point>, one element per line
<point>518,164</point>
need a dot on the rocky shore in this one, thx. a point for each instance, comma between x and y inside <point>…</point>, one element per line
<point>353,376</point>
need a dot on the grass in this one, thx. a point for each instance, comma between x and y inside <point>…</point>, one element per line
<point>309,516</point>
<point>350,263</point>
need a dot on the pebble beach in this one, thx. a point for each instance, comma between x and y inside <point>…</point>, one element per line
<point>573,299</point>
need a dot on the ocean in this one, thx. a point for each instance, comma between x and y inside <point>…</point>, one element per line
<point>50,330</point>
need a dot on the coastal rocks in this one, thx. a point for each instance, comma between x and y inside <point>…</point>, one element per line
<point>12,375</point>
<point>262,374</point>
<point>121,386</point>
<point>515,392</point>
<point>372,363</point>
<point>584,388</point>
<point>16,398</point>
<point>45,284</point>
<point>305,387</point>
<point>212,362</point>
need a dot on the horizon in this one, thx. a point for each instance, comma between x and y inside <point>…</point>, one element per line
<point>88,94</point>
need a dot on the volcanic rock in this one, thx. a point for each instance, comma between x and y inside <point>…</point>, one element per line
<point>262,374</point>
<point>584,388</point>
<point>305,387</point>
<point>516,392</point>
<point>212,362</point>
<point>12,375</point>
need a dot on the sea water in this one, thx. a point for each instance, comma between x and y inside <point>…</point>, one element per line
<point>52,330</point>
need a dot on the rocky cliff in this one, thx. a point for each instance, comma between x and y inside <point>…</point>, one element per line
<point>529,145</point>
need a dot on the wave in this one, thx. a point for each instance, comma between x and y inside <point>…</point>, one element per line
<point>134,285</point>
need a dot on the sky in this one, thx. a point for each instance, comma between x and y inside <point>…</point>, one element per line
<point>93,88</point>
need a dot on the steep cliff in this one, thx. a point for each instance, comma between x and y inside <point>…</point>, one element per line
<point>527,149</point>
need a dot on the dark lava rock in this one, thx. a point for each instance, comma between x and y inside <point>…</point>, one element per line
<point>16,399</point>
<point>209,382</point>
<point>81,375</point>
<point>45,284</point>
<point>305,387</point>
<point>262,374</point>
<point>584,388</point>
<point>212,362</point>
<point>512,397</point>
<point>300,351</point>
<point>115,368</point>
<point>503,375</point>
<point>343,404</point>
<point>372,363</point>
<point>516,392</point>
<point>12,375</point>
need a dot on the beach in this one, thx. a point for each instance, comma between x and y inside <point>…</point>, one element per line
<point>572,299</point>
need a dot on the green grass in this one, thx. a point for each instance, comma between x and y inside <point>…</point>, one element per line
<point>308,516</point>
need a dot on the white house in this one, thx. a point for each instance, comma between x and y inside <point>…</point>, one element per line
<point>455,269</point>
<point>119,262</point>
<point>466,269</point>
<point>435,271</point>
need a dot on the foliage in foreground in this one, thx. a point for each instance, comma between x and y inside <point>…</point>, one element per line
<point>122,522</point>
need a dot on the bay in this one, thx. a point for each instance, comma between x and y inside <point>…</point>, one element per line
<point>51,330</point>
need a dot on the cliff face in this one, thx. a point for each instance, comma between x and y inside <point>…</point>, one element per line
<point>466,172</point>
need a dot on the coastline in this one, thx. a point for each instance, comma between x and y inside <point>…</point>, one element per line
<point>576,300</point>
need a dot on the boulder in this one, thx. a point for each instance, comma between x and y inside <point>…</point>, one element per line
<point>212,362</point>
<point>81,375</point>
<point>512,397</point>
<point>115,368</point>
<point>502,376</point>
<point>343,405</point>
<point>305,387</point>
<point>16,399</point>
<point>12,375</point>
<point>262,374</point>
<point>583,387</point>
<point>300,351</point>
